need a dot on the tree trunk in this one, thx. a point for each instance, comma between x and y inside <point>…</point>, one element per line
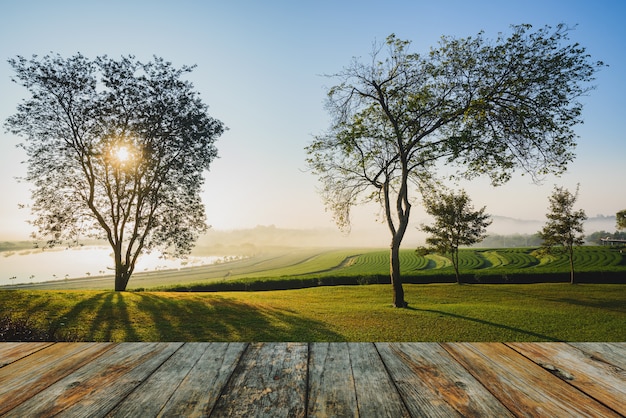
<point>455,264</point>
<point>121,278</point>
<point>396,280</point>
<point>571,266</point>
<point>122,273</point>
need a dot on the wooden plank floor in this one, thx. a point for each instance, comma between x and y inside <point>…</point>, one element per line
<point>313,379</point>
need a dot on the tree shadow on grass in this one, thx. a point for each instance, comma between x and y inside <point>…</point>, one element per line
<point>215,318</point>
<point>532,334</point>
<point>616,304</point>
<point>103,317</point>
<point>122,316</point>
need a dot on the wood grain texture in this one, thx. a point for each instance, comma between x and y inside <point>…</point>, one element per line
<point>10,352</point>
<point>149,398</point>
<point>525,388</point>
<point>199,391</point>
<point>612,353</point>
<point>93,391</point>
<point>433,384</point>
<point>270,380</point>
<point>603,381</point>
<point>331,384</point>
<point>312,379</point>
<point>20,381</point>
<point>376,393</point>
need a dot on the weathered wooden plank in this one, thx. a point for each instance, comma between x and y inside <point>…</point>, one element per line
<point>149,398</point>
<point>612,353</point>
<point>270,380</point>
<point>23,379</point>
<point>376,393</point>
<point>198,392</point>
<point>331,385</point>
<point>93,390</point>
<point>525,388</point>
<point>433,384</point>
<point>602,381</point>
<point>10,352</point>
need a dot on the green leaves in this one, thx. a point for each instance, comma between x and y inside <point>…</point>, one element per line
<point>486,107</point>
<point>80,114</point>
<point>456,224</point>
<point>564,227</point>
<point>620,218</point>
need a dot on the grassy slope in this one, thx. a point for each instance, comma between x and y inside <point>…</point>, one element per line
<point>361,265</point>
<point>446,312</point>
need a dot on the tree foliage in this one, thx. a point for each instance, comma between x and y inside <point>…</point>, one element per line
<point>620,219</point>
<point>456,223</point>
<point>116,150</point>
<point>564,227</point>
<point>485,107</point>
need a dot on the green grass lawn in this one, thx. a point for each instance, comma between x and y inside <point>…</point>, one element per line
<point>437,312</point>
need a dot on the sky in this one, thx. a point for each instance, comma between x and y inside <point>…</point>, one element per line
<point>261,69</point>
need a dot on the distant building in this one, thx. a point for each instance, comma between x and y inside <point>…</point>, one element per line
<point>612,241</point>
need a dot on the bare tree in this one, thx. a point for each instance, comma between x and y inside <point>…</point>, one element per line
<point>116,150</point>
<point>488,107</point>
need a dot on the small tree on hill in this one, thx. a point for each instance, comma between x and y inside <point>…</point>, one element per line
<point>564,227</point>
<point>456,224</point>
<point>116,150</point>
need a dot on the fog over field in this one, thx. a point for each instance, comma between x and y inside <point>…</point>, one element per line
<point>250,240</point>
<point>377,236</point>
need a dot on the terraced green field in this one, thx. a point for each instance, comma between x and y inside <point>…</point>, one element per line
<point>310,267</point>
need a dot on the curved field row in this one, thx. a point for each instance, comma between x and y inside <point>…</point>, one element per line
<point>303,262</point>
<point>519,258</point>
<point>311,263</point>
<point>471,260</point>
<point>590,259</point>
<point>374,262</point>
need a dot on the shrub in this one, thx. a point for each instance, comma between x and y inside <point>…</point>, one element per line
<point>22,330</point>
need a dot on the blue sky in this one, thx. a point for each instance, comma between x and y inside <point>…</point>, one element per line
<point>260,67</point>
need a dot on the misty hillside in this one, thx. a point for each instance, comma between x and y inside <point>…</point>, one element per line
<point>253,240</point>
<point>503,225</point>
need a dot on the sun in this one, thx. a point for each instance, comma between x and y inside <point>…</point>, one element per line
<point>122,154</point>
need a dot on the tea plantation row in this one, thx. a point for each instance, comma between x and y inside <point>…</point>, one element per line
<point>334,267</point>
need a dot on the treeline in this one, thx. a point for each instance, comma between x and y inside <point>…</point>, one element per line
<point>511,241</point>
<point>596,237</point>
<point>534,240</point>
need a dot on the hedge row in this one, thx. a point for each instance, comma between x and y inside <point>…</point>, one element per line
<point>287,283</point>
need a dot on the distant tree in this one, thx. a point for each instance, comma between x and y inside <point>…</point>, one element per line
<point>456,224</point>
<point>598,236</point>
<point>511,241</point>
<point>489,107</point>
<point>620,218</point>
<point>116,150</point>
<point>564,227</point>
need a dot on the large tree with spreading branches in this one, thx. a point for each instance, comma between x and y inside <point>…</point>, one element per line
<point>117,150</point>
<point>488,107</point>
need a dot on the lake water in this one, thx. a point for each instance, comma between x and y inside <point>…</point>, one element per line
<point>37,265</point>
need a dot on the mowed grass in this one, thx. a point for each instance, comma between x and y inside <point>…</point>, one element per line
<point>437,312</point>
